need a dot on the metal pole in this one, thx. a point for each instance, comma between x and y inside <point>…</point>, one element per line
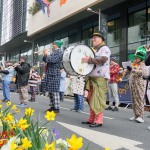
<point>32,54</point>
<point>99,13</point>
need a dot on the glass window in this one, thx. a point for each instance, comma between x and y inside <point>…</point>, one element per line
<point>72,36</point>
<point>86,36</point>
<point>137,26</point>
<point>65,43</point>
<point>113,36</point>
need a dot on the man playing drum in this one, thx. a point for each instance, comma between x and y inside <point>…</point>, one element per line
<point>96,82</point>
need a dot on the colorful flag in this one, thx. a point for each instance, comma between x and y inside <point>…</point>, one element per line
<point>41,4</point>
<point>62,2</point>
<point>46,3</point>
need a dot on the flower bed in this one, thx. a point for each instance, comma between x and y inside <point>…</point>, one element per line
<point>26,134</point>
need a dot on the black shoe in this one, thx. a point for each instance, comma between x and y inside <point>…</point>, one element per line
<point>50,109</point>
<point>115,109</point>
<point>109,108</point>
<point>86,122</point>
<point>31,100</point>
<point>56,111</point>
<point>95,125</point>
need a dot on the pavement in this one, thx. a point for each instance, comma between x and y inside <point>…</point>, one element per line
<point>117,132</point>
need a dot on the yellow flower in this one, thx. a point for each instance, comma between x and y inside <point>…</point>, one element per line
<point>50,115</point>
<point>75,143</point>
<point>49,146</point>
<point>0,106</point>
<point>9,117</point>
<point>17,111</point>
<point>8,103</point>
<point>22,124</point>
<point>13,146</point>
<point>29,112</point>
<point>107,148</point>
<point>14,107</point>
<point>26,143</point>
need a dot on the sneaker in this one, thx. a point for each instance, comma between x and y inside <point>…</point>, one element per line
<point>140,120</point>
<point>132,119</point>
<point>79,110</point>
<point>115,109</point>
<point>109,108</point>
<point>73,109</point>
<point>148,127</point>
<point>23,105</point>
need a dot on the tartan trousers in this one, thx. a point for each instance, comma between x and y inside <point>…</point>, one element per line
<point>54,100</point>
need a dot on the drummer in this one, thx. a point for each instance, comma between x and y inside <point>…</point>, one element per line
<point>52,75</point>
<point>96,83</point>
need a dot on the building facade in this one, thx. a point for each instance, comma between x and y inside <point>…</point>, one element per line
<point>128,26</point>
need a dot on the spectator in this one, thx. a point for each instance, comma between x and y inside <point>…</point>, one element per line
<point>7,76</point>
<point>33,81</point>
<point>78,89</point>
<point>22,76</point>
<point>113,85</point>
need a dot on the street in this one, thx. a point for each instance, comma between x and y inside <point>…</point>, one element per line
<point>117,132</point>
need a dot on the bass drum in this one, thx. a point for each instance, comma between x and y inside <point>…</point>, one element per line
<point>72,60</point>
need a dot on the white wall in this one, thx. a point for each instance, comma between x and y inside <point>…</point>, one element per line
<point>40,21</point>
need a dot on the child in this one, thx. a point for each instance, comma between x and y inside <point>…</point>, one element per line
<point>78,88</point>
<point>33,80</point>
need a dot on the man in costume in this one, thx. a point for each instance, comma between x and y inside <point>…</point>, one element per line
<point>96,83</point>
<point>137,84</point>
<point>53,74</point>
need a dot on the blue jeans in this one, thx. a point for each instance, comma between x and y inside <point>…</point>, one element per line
<point>6,90</point>
<point>78,102</point>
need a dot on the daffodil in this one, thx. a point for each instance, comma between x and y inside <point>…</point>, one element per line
<point>49,146</point>
<point>29,112</point>
<point>50,115</point>
<point>14,107</point>
<point>26,143</point>
<point>22,124</point>
<point>0,106</point>
<point>8,103</point>
<point>13,146</point>
<point>107,148</point>
<point>75,143</point>
<point>17,111</point>
<point>9,117</point>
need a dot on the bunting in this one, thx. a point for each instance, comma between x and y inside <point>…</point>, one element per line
<point>43,4</point>
<point>47,5</point>
<point>62,2</point>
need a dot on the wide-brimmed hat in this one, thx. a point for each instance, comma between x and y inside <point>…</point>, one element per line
<point>99,33</point>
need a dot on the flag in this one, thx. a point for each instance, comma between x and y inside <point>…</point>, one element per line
<point>62,2</point>
<point>46,3</point>
<point>41,4</point>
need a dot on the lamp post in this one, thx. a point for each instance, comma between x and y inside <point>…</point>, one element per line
<point>98,13</point>
<point>32,52</point>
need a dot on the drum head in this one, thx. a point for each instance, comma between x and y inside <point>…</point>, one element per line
<point>76,56</point>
